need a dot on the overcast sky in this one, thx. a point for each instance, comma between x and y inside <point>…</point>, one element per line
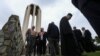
<point>52,10</point>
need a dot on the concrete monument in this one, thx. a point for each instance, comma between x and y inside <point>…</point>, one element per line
<point>33,10</point>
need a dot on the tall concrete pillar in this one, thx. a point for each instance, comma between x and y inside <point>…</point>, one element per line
<point>33,10</point>
<point>38,21</point>
<point>33,16</point>
<point>26,21</point>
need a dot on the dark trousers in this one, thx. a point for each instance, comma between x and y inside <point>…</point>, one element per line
<point>69,46</point>
<point>29,50</point>
<point>41,47</point>
<point>54,46</point>
<point>34,50</point>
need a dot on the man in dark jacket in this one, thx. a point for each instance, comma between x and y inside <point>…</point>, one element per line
<point>69,45</point>
<point>78,35</point>
<point>53,38</point>
<point>41,42</point>
<point>91,10</point>
<point>29,43</point>
<point>89,46</point>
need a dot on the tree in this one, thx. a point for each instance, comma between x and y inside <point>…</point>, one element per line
<point>97,39</point>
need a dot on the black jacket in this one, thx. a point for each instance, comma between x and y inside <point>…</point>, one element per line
<point>53,31</point>
<point>78,34</point>
<point>91,10</point>
<point>44,38</point>
<point>88,35</point>
<point>69,45</point>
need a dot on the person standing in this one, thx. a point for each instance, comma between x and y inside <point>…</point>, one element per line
<point>91,10</point>
<point>69,45</point>
<point>41,45</point>
<point>34,37</point>
<point>89,46</point>
<point>29,43</point>
<point>53,38</point>
<point>78,35</point>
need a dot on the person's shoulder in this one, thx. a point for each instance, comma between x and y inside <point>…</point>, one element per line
<point>78,30</point>
<point>86,30</point>
<point>63,20</point>
<point>34,31</point>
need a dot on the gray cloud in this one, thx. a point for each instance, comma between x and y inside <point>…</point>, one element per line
<point>46,2</point>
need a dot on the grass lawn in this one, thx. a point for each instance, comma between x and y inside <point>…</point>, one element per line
<point>97,53</point>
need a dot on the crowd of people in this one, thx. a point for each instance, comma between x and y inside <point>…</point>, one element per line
<point>37,41</point>
<point>73,41</point>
